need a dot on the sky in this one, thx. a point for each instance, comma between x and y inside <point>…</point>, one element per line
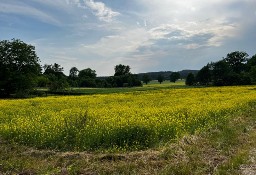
<point>147,35</point>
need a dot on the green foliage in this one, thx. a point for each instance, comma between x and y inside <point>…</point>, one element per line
<point>190,80</point>
<point>235,69</point>
<point>87,73</point>
<point>87,82</point>
<point>146,79</point>
<point>86,78</point>
<point>42,81</point>
<point>174,76</point>
<point>54,69</point>
<point>204,75</point>
<point>221,70</point>
<point>253,74</point>
<point>251,62</point>
<point>122,78</point>
<point>122,70</point>
<point>19,67</point>
<point>160,78</point>
<point>236,60</point>
<point>57,81</point>
<point>73,73</point>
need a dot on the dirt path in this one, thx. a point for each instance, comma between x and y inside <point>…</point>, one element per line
<point>250,169</point>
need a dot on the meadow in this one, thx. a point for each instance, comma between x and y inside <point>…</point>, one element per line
<point>134,120</point>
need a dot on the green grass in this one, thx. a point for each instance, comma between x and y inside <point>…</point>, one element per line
<point>153,85</point>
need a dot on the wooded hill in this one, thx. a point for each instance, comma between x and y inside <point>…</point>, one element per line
<point>166,74</point>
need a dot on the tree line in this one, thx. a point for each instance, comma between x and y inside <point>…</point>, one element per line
<point>237,68</point>
<point>21,72</point>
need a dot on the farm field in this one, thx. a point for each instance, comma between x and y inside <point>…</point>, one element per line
<point>119,121</point>
<point>158,131</point>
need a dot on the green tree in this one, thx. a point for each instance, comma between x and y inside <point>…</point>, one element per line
<point>54,69</point>
<point>160,78</point>
<point>57,79</point>
<point>221,72</point>
<point>251,62</point>
<point>122,78</point>
<point>122,70</point>
<point>42,81</point>
<point>146,79</point>
<point>19,67</point>
<point>87,73</point>
<point>87,78</point>
<point>174,76</point>
<point>73,77</point>
<point>73,73</point>
<point>204,75</point>
<point>190,80</point>
<point>237,60</point>
<point>253,74</point>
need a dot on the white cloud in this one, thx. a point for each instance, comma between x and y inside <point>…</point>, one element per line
<point>24,9</point>
<point>193,35</point>
<point>120,44</point>
<point>99,9</point>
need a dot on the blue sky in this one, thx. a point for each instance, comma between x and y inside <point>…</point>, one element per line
<point>148,35</point>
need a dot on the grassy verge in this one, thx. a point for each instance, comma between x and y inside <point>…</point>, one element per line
<point>153,85</point>
<point>225,149</point>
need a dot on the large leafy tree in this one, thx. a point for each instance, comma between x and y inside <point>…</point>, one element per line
<point>54,69</point>
<point>221,71</point>
<point>73,77</point>
<point>237,60</point>
<point>87,73</point>
<point>174,76</point>
<point>87,78</point>
<point>122,70</point>
<point>73,73</point>
<point>190,80</point>
<point>56,77</point>
<point>204,75</point>
<point>160,78</point>
<point>146,79</point>
<point>123,77</point>
<point>251,67</point>
<point>251,62</point>
<point>19,67</point>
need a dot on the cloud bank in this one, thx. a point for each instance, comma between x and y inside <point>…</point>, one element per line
<point>148,35</point>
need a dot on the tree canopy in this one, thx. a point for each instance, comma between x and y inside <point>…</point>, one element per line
<point>146,79</point>
<point>19,65</point>
<point>190,80</point>
<point>235,69</point>
<point>73,72</point>
<point>174,76</point>
<point>20,72</point>
<point>160,78</point>
<point>122,70</point>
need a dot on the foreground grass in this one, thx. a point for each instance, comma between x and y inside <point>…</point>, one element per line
<point>223,149</point>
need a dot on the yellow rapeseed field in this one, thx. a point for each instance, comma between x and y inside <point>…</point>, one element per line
<point>134,120</point>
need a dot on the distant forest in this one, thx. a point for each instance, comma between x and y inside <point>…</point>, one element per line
<point>166,74</point>
<point>21,73</point>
